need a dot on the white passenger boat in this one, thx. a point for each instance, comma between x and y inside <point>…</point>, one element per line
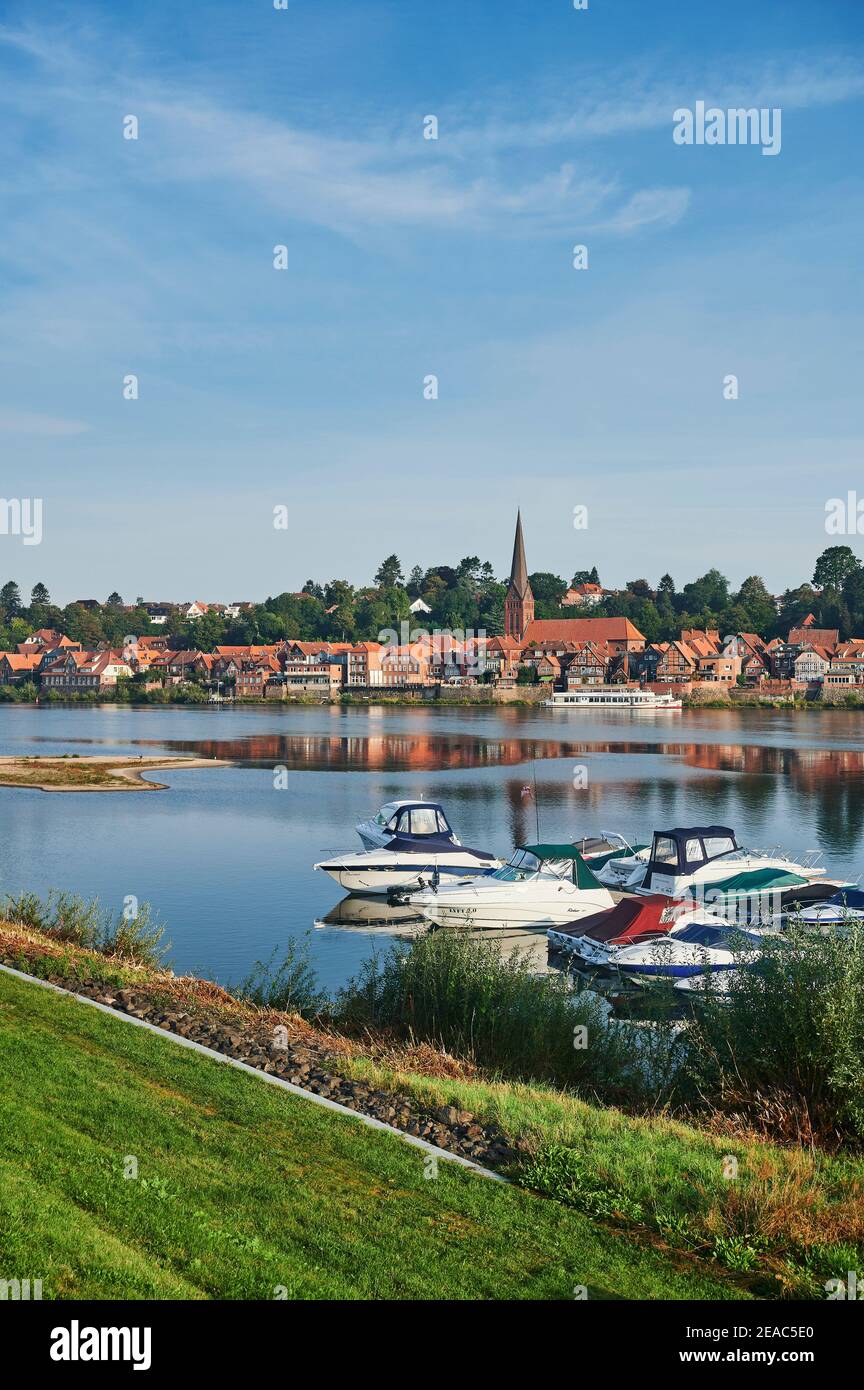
<point>540,886</point>
<point>613,697</point>
<point>422,820</point>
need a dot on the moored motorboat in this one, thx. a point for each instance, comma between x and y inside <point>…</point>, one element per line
<point>843,907</point>
<point>707,861</point>
<point>689,950</point>
<point>595,941</point>
<point>600,850</point>
<point>404,866</point>
<point>422,820</point>
<point>541,885</point>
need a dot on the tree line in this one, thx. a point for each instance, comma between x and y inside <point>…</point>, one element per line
<point>467,596</point>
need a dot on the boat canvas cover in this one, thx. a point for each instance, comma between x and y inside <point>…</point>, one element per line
<point>431,844</point>
<point>628,920</point>
<point>582,875</point>
<point>754,881</point>
<point>821,893</point>
<point>681,835</point>
<point>848,897</point>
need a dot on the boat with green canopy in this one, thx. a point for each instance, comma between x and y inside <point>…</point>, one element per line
<point>541,885</point>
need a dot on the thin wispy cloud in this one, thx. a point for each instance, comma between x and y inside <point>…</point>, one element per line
<point>26,423</point>
<point>408,257</point>
<point>387,178</point>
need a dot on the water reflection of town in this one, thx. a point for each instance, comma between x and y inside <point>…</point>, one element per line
<point>827,783</point>
<point>440,752</point>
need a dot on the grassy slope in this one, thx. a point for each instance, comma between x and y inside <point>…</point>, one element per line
<point>242,1188</point>
<point>784,1199</point>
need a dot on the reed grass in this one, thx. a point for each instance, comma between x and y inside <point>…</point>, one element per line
<point>134,936</point>
<point>784,1048</point>
<point>458,993</point>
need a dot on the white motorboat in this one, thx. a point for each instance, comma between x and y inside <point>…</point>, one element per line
<point>706,861</point>
<point>422,820</point>
<point>406,865</point>
<point>691,949</point>
<point>619,862</point>
<point>843,908</point>
<point>596,941</point>
<point>541,885</point>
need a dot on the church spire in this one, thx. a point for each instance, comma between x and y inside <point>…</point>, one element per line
<point>519,569</point>
<point>519,603</point>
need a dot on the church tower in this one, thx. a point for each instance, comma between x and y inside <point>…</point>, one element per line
<point>519,603</point>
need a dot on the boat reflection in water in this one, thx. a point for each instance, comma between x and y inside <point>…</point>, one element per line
<point>358,912</point>
<point>401,921</point>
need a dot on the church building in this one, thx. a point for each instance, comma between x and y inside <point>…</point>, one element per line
<point>619,634</point>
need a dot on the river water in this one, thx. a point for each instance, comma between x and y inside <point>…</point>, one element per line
<point>225,854</point>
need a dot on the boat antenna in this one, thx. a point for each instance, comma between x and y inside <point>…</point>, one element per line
<point>536,802</point>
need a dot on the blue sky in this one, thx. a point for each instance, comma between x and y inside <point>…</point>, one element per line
<point>557,388</point>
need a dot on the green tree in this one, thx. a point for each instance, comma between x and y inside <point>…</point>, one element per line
<point>415,582</point>
<point>114,600</point>
<point>10,600</point>
<point>834,567</point>
<point>709,593</point>
<point>389,573</point>
<point>640,588</point>
<point>853,598</point>
<point>796,604</point>
<point>548,590</point>
<point>39,596</point>
<point>759,605</point>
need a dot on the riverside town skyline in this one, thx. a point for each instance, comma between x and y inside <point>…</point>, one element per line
<point>578,635</point>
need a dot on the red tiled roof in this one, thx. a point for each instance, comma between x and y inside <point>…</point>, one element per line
<point>581,630</point>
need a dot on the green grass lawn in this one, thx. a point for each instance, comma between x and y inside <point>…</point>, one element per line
<point>792,1215</point>
<point>243,1188</point>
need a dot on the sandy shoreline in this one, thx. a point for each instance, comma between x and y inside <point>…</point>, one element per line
<point>125,772</point>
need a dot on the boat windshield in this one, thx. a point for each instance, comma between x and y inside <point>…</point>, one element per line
<point>520,866</point>
<point>722,847</point>
<point>424,821</point>
<point>524,864</point>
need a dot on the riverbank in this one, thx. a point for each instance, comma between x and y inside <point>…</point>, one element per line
<point>94,773</point>
<point>780,1224</point>
<point>481,697</point>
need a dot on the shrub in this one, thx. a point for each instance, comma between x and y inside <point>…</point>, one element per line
<point>26,910</point>
<point>137,938</point>
<point>457,992</point>
<point>785,1048</point>
<point>70,918</point>
<point>67,917</point>
<point>291,987</point>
